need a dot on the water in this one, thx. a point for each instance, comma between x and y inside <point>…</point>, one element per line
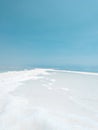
<point>80,68</point>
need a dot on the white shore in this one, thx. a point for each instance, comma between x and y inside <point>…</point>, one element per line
<point>47,99</point>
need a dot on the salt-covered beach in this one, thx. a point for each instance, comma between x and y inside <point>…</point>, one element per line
<point>47,99</point>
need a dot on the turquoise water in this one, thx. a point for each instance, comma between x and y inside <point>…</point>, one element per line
<point>66,67</point>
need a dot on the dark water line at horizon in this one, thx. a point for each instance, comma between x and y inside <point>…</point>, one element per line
<point>66,67</point>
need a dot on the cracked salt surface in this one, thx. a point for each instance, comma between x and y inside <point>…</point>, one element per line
<point>40,99</point>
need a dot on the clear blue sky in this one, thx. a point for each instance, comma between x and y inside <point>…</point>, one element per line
<point>53,32</point>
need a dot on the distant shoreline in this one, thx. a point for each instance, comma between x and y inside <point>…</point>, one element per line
<point>53,70</point>
<point>79,68</point>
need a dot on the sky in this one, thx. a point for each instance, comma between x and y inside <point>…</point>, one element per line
<point>48,32</point>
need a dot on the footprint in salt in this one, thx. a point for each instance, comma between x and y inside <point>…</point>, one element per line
<point>65,89</point>
<point>48,82</point>
<point>52,80</point>
<point>47,86</point>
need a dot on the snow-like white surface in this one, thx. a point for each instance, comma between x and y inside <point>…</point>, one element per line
<point>46,99</point>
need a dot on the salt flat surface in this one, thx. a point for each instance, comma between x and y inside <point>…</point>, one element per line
<point>46,99</point>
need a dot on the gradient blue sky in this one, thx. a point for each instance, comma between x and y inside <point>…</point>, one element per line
<point>52,32</point>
